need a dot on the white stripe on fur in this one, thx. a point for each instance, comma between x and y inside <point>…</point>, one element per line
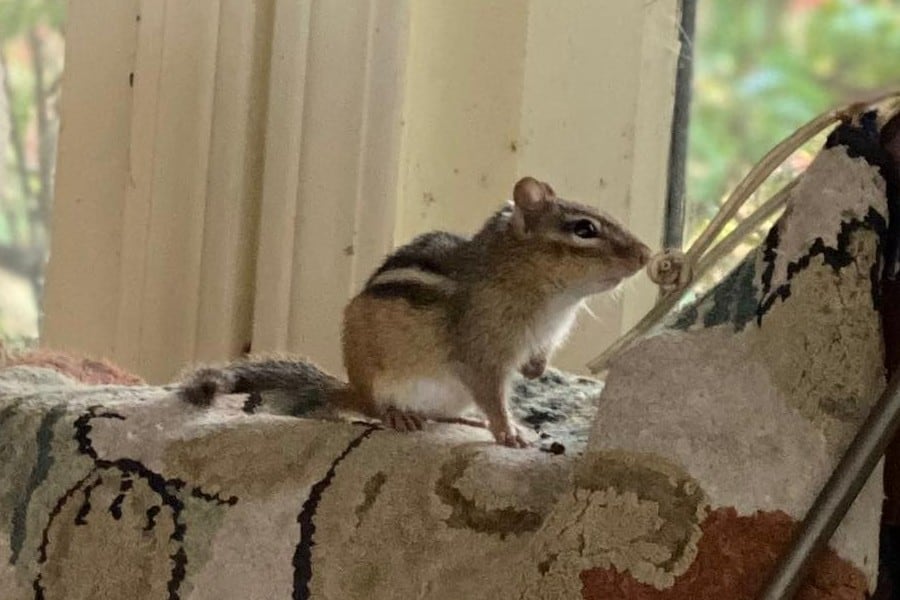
<point>415,275</point>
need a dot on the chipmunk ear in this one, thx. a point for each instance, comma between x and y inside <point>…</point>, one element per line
<point>530,196</point>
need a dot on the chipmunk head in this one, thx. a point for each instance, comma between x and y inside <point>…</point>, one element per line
<point>585,250</point>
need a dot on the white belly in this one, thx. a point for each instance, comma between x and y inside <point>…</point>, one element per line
<point>435,395</point>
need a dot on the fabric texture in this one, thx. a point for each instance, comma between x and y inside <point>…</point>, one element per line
<point>684,478</point>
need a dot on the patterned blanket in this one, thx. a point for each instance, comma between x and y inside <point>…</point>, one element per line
<point>683,479</point>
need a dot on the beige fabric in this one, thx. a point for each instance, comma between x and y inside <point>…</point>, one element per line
<point>742,404</point>
<point>215,497</point>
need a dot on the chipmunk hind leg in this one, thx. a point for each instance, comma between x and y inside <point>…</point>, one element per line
<point>406,402</point>
<point>400,355</point>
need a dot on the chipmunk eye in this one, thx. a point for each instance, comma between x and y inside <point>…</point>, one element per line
<point>585,228</point>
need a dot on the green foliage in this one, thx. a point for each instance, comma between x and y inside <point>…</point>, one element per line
<point>763,68</point>
<point>17,17</point>
<point>31,51</point>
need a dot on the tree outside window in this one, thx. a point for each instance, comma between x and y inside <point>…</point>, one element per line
<point>31,63</point>
<point>762,69</point>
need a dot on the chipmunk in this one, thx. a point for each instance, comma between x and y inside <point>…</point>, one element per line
<point>445,321</point>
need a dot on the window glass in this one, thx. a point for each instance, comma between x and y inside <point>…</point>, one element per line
<point>31,62</point>
<point>761,70</point>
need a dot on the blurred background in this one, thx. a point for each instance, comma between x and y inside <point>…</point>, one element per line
<point>31,63</point>
<point>760,69</point>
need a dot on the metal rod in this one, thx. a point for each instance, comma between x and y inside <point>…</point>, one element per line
<point>674,229</point>
<point>838,494</point>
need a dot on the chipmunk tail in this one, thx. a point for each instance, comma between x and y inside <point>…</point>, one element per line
<point>201,386</point>
<point>292,386</point>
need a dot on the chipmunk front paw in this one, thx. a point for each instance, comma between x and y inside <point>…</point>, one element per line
<point>534,368</point>
<point>509,435</point>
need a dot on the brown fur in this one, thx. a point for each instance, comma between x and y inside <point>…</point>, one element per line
<point>506,276</point>
<point>459,315</point>
<point>382,336</point>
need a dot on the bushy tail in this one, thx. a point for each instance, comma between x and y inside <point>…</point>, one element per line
<point>201,386</point>
<point>301,385</point>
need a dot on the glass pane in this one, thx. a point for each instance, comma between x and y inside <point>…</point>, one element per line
<point>31,61</point>
<point>764,68</point>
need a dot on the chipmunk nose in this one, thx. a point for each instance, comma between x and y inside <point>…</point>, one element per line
<point>644,255</point>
